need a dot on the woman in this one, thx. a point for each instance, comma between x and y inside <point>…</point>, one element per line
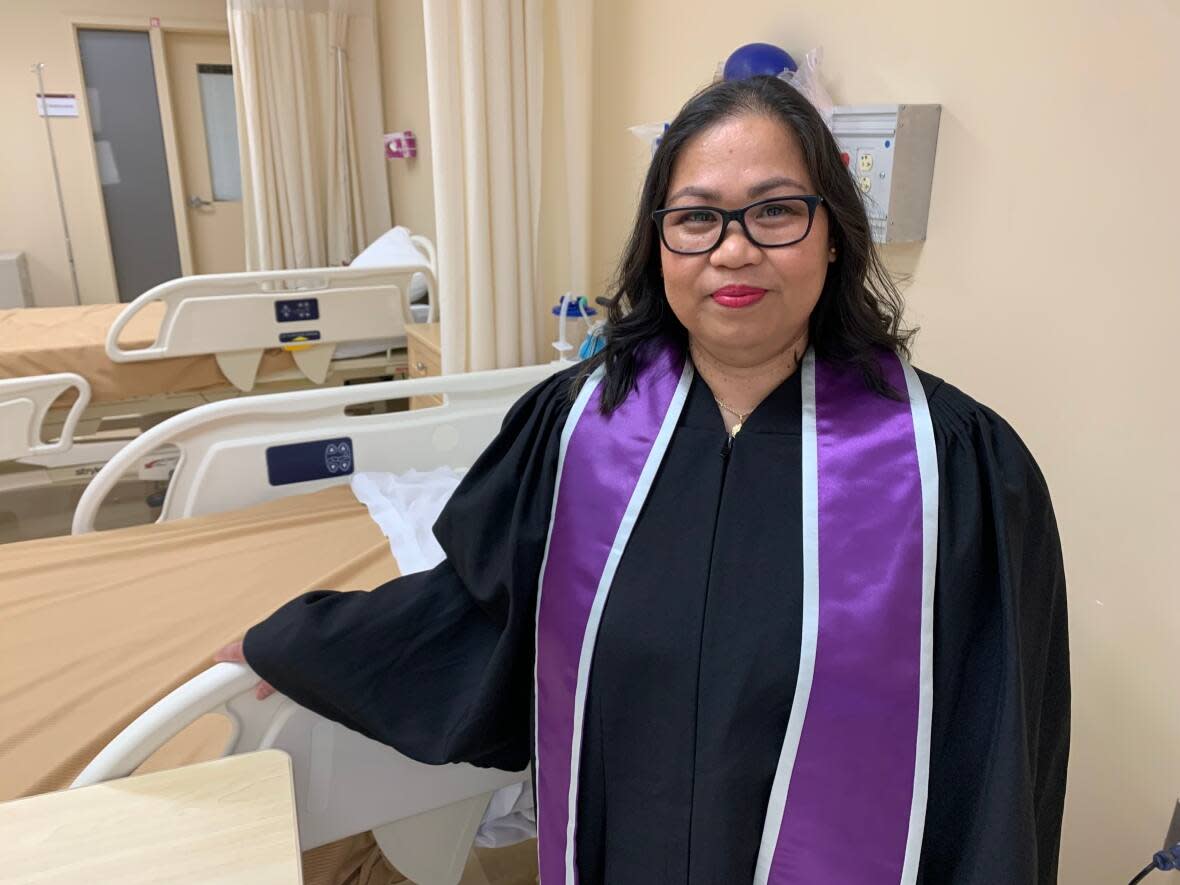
<point>759,601</point>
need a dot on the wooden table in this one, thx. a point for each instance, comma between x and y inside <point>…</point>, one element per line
<point>227,821</point>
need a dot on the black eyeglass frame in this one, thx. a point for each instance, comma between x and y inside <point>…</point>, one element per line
<point>813,201</point>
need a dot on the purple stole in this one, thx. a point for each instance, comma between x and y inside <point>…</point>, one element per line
<point>848,801</point>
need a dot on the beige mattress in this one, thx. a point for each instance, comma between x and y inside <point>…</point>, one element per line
<point>45,340</point>
<point>95,628</point>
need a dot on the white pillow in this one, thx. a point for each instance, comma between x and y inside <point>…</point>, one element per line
<point>392,248</point>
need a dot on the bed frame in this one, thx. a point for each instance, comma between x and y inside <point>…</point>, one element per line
<point>234,318</point>
<point>24,404</point>
<point>241,452</point>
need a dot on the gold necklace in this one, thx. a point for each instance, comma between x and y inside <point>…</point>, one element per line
<point>741,418</point>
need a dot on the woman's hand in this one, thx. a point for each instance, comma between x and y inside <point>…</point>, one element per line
<point>232,654</point>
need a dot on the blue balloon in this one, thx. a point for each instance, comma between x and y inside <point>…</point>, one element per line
<point>756,60</point>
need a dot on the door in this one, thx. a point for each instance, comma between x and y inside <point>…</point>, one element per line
<point>201,83</point>
<point>132,165</point>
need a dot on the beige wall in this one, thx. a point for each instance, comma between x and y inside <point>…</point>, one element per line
<point>402,40</point>
<point>39,30</point>
<point>1046,289</point>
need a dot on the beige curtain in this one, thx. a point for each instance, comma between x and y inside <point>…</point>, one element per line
<point>575,27</point>
<point>309,128</point>
<point>484,72</point>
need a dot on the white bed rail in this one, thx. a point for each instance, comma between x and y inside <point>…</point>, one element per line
<point>236,316</point>
<point>24,404</point>
<point>426,246</point>
<point>424,817</point>
<point>241,452</point>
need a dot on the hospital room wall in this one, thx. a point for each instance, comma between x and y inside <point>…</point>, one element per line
<point>39,31</point>
<point>402,42</point>
<point>1046,289</point>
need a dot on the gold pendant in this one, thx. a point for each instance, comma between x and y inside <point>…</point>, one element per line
<point>733,431</point>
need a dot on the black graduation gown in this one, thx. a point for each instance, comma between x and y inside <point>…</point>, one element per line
<point>697,654</point>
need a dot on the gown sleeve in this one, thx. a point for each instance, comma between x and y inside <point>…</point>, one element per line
<point>439,664</point>
<point>1001,718</point>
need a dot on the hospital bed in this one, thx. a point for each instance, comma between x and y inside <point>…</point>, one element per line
<point>101,625</point>
<point>88,378</point>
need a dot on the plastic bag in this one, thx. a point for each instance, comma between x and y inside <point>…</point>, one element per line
<point>807,81</point>
<point>649,133</point>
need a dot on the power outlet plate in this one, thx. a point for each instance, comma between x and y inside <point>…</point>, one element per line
<point>1173,836</point>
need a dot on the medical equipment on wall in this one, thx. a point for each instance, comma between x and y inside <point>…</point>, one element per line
<point>888,148</point>
<point>758,60</point>
<point>576,306</point>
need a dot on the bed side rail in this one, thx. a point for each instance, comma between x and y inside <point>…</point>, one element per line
<point>24,405</point>
<point>241,452</point>
<point>235,317</point>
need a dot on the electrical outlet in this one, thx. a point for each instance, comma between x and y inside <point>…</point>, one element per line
<point>865,161</point>
<point>1173,836</point>
<point>865,183</point>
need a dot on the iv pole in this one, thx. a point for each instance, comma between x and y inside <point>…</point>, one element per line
<point>61,205</point>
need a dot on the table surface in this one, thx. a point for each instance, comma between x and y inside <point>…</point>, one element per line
<point>231,820</point>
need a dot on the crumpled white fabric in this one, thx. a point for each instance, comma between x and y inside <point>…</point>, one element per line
<point>510,817</point>
<point>405,507</point>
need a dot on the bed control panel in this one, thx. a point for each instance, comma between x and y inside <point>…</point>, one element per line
<point>308,461</point>
<point>297,310</point>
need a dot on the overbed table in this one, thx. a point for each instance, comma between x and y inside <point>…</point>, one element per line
<point>231,820</point>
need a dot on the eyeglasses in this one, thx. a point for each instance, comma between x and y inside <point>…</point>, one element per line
<point>778,221</point>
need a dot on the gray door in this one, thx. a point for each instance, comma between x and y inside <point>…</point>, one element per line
<point>129,144</point>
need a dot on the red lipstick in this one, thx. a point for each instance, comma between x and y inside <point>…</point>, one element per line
<point>738,296</point>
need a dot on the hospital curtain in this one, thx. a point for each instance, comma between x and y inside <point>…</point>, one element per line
<point>575,25</point>
<point>309,130</point>
<point>485,68</point>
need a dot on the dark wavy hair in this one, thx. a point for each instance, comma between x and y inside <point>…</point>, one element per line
<point>859,310</point>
